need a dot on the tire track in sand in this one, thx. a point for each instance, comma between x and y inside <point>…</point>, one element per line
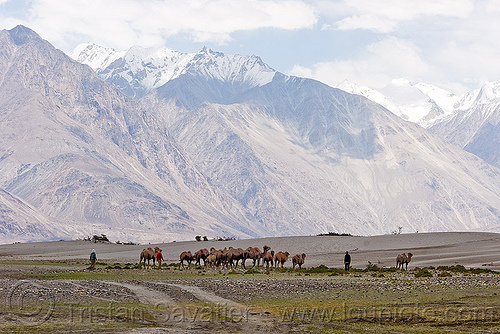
<point>207,296</point>
<point>146,295</point>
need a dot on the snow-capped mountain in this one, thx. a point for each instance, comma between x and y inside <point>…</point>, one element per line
<point>78,150</point>
<point>226,146</point>
<point>469,120</point>
<point>139,70</point>
<point>475,123</point>
<point>332,161</point>
<point>135,71</point>
<point>373,95</point>
<point>421,103</point>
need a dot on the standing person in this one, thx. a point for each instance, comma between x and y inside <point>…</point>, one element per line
<point>159,257</point>
<point>347,261</point>
<point>93,258</point>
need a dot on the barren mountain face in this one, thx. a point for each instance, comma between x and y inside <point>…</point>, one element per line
<point>79,150</point>
<point>225,147</point>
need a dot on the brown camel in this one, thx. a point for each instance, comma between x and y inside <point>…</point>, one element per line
<point>147,254</point>
<point>221,256</point>
<point>211,260</point>
<point>235,254</point>
<point>403,259</point>
<point>267,257</point>
<point>298,259</point>
<point>253,253</point>
<point>202,254</point>
<point>188,257</point>
<point>281,257</point>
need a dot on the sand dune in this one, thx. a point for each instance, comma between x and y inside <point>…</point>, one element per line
<point>471,249</point>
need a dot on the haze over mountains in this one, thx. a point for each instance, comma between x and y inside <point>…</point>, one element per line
<point>156,145</point>
<point>469,120</point>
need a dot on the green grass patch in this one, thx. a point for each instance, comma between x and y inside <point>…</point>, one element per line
<point>461,269</point>
<point>413,310</point>
<point>72,317</point>
<point>423,273</point>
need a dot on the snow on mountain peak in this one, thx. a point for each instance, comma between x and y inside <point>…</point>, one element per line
<point>372,95</point>
<point>147,68</point>
<point>489,91</point>
<point>231,68</point>
<point>96,56</point>
<point>419,103</point>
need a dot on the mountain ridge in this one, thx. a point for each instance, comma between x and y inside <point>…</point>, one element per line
<point>71,111</point>
<point>239,153</point>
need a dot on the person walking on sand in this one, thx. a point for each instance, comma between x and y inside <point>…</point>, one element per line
<point>347,261</point>
<point>159,257</point>
<point>93,258</point>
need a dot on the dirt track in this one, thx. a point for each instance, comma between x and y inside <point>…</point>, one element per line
<point>175,304</point>
<point>229,304</point>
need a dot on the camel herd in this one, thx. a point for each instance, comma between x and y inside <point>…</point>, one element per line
<point>230,257</point>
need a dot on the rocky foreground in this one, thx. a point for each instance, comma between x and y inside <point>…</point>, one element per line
<point>250,303</point>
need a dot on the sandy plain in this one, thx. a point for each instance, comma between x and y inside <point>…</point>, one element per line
<point>470,249</point>
<point>47,287</point>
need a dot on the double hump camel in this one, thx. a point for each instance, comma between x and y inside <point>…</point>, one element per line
<point>230,257</point>
<point>148,254</point>
<point>403,259</point>
<point>281,258</point>
<point>298,259</point>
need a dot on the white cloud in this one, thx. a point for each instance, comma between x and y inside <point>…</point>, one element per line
<point>386,15</point>
<point>382,61</point>
<point>122,23</point>
<point>472,63</point>
<point>447,41</point>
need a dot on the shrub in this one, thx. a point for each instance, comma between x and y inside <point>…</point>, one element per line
<point>444,274</point>
<point>334,234</point>
<point>319,269</point>
<point>456,268</point>
<point>423,273</point>
<point>371,267</point>
<point>251,271</point>
<point>478,271</point>
<point>322,269</point>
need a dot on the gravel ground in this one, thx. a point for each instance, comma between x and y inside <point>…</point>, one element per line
<point>238,293</point>
<point>238,290</point>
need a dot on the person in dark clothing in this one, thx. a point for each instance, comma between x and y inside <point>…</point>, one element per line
<point>93,258</point>
<point>347,261</point>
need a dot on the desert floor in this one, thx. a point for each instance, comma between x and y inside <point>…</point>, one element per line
<point>428,249</point>
<point>48,287</point>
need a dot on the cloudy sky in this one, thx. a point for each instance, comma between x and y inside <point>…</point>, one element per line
<point>450,43</point>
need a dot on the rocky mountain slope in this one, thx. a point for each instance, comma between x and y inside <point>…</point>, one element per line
<point>225,146</point>
<point>77,149</point>
<point>475,124</point>
<point>469,120</point>
<point>304,157</point>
